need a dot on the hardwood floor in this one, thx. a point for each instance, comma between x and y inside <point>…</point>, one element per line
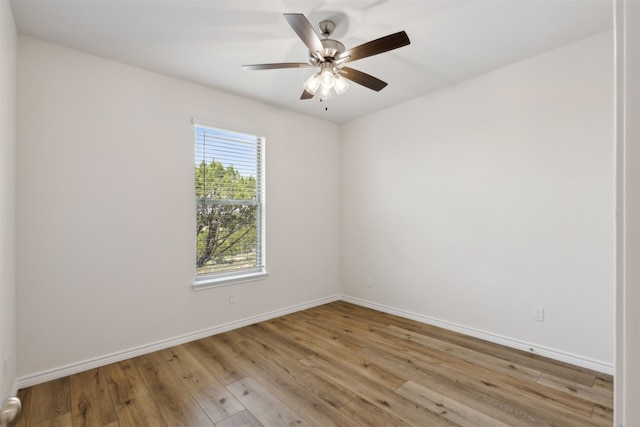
<point>333,365</point>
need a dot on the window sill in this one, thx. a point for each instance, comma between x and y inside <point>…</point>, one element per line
<point>216,282</point>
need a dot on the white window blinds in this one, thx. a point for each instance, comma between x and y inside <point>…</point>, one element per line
<point>229,189</point>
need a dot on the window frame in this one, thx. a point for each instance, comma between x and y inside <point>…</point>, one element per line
<point>225,278</point>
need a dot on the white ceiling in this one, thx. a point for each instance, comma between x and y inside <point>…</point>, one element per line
<point>206,42</point>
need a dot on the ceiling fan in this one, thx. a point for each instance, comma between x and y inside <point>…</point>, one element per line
<point>330,55</point>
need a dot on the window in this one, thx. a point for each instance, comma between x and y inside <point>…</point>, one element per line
<point>229,189</point>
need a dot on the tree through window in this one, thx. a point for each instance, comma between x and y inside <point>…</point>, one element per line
<point>229,184</point>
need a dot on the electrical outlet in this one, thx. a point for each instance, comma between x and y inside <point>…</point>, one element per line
<point>369,282</point>
<point>538,314</point>
<point>233,298</point>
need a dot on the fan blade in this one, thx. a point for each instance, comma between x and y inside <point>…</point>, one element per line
<point>277,66</point>
<point>363,79</point>
<point>305,31</point>
<point>306,95</point>
<point>374,47</point>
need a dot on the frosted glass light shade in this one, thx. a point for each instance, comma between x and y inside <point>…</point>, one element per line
<point>325,92</point>
<point>340,84</point>
<point>327,78</point>
<point>312,84</point>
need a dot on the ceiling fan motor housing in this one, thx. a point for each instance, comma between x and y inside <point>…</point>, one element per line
<point>331,49</point>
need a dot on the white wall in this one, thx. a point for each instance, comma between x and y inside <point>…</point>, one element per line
<point>106,210</point>
<point>627,385</point>
<point>474,204</point>
<point>8,45</point>
<point>468,207</point>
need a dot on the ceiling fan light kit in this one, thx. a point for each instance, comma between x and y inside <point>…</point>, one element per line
<point>327,79</point>
<point>330,55</point>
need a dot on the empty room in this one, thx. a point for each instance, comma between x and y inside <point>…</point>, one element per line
<point>267,213</point>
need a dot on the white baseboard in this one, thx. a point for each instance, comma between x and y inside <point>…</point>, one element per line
<point>74,368</point>
<point>573,359</point>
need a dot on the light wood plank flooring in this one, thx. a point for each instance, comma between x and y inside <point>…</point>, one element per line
<point>334,365</point>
